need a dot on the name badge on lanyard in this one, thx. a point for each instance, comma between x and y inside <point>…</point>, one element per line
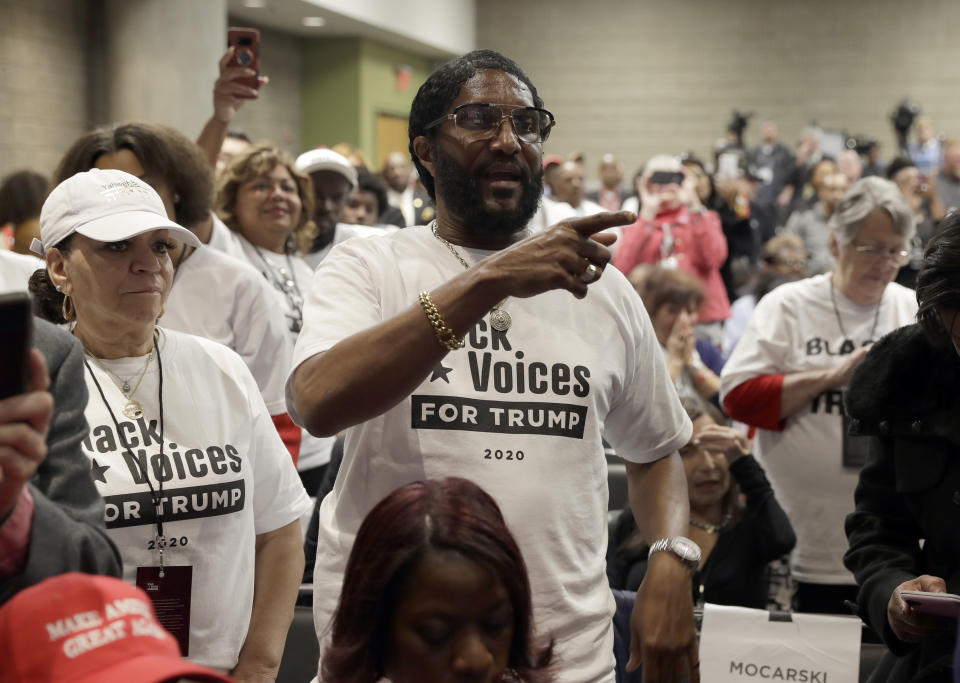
<point>169,589</point>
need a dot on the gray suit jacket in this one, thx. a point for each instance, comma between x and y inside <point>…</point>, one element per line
<point>67,533</point>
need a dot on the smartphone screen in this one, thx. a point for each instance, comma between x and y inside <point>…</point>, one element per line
<point>16,331</point>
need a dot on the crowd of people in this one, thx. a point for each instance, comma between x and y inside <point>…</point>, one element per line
<point>444,355</point>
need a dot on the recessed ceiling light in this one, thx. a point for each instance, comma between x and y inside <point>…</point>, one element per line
<point>313,22</point>
<point>255,4</point>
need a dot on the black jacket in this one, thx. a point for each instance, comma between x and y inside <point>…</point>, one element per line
<point>904,398</point>
<point>67,534</point>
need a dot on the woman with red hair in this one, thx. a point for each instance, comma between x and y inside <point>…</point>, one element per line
<point>435,586</point>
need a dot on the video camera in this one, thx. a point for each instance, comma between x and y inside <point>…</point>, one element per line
<point>738,123</point>
<point>902,119</point>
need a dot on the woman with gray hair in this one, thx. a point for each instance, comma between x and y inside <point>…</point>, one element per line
<point>787,376</point>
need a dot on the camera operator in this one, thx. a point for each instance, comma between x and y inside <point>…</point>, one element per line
<point>773,161</point>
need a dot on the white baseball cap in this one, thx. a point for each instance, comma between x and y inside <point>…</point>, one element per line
<point>108,206</point>
<point>326,160</point>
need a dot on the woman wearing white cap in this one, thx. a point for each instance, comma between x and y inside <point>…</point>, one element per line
<point>269,204</point>
<point>212,295</point>
<point>201,497</point>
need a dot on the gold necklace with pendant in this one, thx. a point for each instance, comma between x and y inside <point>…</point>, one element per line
<point>132,409</point>
<point>499,319</point>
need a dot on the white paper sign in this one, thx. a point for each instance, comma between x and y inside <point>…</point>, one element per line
<point>739,644</point>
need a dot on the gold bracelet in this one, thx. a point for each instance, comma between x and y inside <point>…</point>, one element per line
<point>447,337</point>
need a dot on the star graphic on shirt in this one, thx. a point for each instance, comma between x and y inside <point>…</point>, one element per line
<point>96,471</point>
<point>440,372</point>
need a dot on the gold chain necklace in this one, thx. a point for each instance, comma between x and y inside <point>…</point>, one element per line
<point>499,319</point>
<point>132,409</point>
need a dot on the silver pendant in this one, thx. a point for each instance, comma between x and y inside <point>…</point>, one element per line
<point>126,387</point>
<point>133,410</point>
<point>500,320</point>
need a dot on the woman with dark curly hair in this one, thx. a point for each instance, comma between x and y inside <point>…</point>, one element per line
<point>905,532</point>
<point>435,588</point>
<point>212,296</point>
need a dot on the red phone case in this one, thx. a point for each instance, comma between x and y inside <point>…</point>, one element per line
<point>245,55</point>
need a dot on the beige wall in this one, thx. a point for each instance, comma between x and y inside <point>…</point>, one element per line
<point>648,76</point>
<point>69,65</point>
<point>43,81</point>
<point>275,116</point>
<point>161,60</point>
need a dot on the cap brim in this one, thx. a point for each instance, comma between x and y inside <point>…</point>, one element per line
<point>152,669</point>
<point>127,224</point>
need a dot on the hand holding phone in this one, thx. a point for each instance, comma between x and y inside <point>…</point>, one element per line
<point>937,604</point>
<point>245,43</point>
<point>24,422</point>
<point>908,609</point>
<point>16,327</point>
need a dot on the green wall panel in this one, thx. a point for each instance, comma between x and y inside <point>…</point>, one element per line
<point>330,102</point>
<point>347,83</point>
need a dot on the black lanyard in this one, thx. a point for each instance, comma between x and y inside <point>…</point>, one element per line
<point>155,496</point>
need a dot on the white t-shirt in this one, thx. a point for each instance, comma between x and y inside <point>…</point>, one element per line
<point>794,328</point>
<point>520,413</point>
<point>552,212</point>
<point>288,276</point>
<point>229,478</point>
<point>343,232</point>
<point>224,239</point>
<point>15,270</point>
<point>224,299</point>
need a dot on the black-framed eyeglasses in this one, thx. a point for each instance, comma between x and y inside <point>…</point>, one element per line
<point>899,256</point>
<point>482,121</point>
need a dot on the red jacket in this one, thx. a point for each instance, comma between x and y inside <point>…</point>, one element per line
<point>699,247</point>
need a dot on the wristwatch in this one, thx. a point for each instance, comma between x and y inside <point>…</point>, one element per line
<point>686,550</point>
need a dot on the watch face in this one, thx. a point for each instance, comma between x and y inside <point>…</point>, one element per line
<point>686,549</point>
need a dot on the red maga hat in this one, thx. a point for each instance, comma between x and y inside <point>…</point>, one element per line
<point>79,628</point>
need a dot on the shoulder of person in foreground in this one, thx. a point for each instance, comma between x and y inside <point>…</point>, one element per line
<point>67,529</point>
<point>903,375</point>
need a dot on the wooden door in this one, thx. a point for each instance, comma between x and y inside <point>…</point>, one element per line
<point>391,136</point>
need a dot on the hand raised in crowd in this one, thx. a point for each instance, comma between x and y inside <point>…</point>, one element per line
<point>726,440</point>
<point>840,375</point>
<point>681,345</point>
<point>24,421</point>
<point>909,625</point>
<point>570,255</point>
<point>727,188</point>
<point>928,185</point>
<point>688,191</point>
<point>228,93</point>
<point>649,200</point>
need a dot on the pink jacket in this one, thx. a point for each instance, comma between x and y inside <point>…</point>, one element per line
<point>699,247</point>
